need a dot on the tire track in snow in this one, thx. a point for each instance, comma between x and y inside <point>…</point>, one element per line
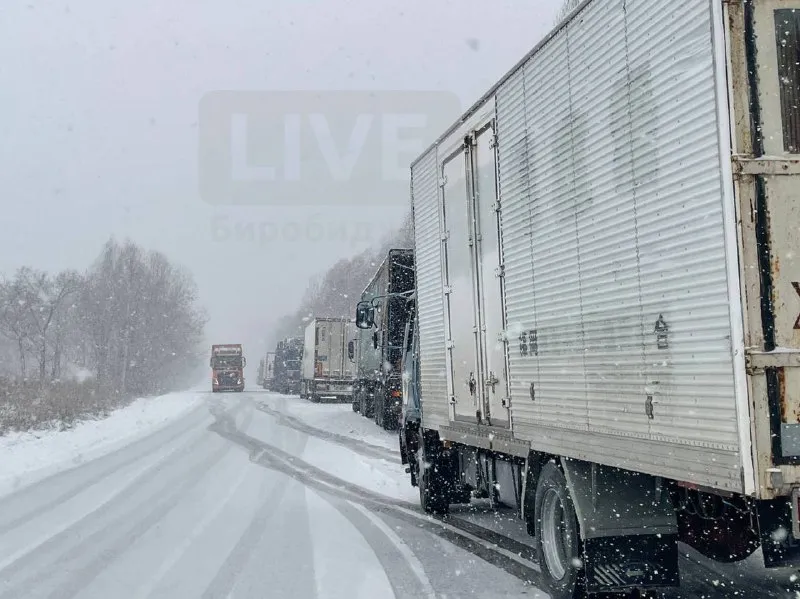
<point>495,549</point>
<point>174,557</point>
<point>422,586</point>
<point>224,582</point>
<point>124,452</point>
<point>367,449</point>
<point>59,543</point>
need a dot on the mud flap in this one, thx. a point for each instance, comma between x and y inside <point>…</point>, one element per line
<point>779,545</point>
<point>624,562</point>
<point>628,526</point>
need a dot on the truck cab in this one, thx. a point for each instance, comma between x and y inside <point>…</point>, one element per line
<point>227,368</point>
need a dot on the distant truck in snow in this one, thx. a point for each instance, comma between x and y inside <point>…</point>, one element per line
<point>269,371</point>
<point>286,370</point>
<point>327,371</point>
<point>227,367</point>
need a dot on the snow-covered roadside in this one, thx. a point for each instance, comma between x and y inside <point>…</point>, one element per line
<point>380,476</point>
<point>383,476</point>
<point>335,418</point>
<point>28,457</point>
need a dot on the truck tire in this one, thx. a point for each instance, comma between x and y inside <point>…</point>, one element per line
<point>558,541</point>
<point>433,496</point>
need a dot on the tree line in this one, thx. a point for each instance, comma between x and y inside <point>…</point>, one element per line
<point>130,323</point>
<point>335,293</point>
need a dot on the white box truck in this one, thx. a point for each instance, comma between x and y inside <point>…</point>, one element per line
<point>608,293</point>
<point>269,371</point>
<point>327,369</point>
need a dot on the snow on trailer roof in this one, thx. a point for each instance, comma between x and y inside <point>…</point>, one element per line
<point>493,90</point>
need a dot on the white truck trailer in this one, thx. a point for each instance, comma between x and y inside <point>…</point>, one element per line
<point>327,371</point>
<point>269,370</point>
<point>608,272</point>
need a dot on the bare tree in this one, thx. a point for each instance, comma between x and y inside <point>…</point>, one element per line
<point>14,322</point>
<point>45,297</point>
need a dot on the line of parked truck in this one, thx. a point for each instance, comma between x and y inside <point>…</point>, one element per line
<point>335,360</point>
<point>599,324</point>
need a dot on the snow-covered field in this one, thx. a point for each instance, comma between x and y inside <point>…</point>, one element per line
<point>28,457</point>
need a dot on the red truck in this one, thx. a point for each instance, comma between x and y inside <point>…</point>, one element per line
<point>227,368</point>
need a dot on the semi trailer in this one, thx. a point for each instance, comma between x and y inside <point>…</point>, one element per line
<point>326,369</point>
<point>608,294</point>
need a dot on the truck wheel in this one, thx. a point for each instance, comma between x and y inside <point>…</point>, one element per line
<point>558,540</point>
<point>432,488</point>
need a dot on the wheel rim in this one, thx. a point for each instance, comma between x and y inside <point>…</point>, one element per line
<point>554,535</point>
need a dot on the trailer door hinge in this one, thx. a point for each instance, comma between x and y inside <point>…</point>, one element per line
<point>447,289</point>
<point>443,181</point>
<point>500,271</point>
<point>493,140</point>
<point>449,344</point>
<point>756,362</point>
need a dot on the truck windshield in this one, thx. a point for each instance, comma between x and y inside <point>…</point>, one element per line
<point>226,361</point>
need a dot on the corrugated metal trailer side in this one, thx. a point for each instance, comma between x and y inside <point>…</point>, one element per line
<point>612,210</point>
<point>645,168</point>
<point>430,307</point>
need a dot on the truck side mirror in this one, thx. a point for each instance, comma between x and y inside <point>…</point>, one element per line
<point>351,350</point>
<point>365,315</point>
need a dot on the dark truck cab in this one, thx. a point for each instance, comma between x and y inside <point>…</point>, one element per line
<point>287,367</point>
<point>378,388</point>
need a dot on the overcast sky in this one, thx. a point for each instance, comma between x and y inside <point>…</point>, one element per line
<point>99,110</point>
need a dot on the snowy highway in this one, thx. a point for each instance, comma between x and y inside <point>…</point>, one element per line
<point>247,496</point>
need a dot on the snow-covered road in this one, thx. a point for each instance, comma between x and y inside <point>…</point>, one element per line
<point>216,505</point>
<point>258,495</point>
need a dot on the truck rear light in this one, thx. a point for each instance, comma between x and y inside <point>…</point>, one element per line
<point>796,513</point>
<point>397,393</point>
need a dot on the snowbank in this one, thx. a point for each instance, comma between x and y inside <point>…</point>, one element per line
<point>335,418</point>
<point>28,457</point>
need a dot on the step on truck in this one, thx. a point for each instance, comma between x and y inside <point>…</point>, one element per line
<point>227,367</point>
<point>608,293</point>
<point>378,386</point>
<point>326,369</point>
